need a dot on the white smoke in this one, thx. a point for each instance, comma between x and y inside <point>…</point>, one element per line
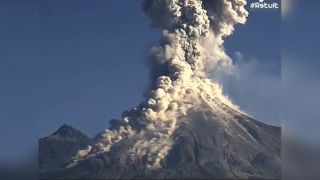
<point>191,47</point>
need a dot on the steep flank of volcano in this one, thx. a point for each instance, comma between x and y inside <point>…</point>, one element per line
<point>203,147</point>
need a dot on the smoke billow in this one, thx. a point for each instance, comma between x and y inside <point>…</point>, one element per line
<point>190,47</point>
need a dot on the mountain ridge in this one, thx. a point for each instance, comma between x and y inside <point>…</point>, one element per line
<point>202,148</point>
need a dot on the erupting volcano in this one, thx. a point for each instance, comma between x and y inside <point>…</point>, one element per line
<point>185,127</point>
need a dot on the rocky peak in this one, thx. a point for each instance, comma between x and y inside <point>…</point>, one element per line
<point>69,133</point>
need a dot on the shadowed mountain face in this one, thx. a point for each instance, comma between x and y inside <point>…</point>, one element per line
<point>204,146</point>
<point>56,148</point>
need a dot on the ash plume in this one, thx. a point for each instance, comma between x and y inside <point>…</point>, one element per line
<point>191,46</point>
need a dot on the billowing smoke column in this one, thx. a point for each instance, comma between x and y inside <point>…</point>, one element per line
<point>191,46</point>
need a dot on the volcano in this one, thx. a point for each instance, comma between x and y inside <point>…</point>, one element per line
<point>204,147</point>
<point>185,127</point>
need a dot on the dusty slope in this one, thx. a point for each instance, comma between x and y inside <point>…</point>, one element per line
<point>204,147</point>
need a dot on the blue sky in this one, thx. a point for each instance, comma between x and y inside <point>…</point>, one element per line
<point>300,71</point>
<point>83,62</point>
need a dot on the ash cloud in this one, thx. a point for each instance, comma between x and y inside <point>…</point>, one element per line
<point>191,45</point>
